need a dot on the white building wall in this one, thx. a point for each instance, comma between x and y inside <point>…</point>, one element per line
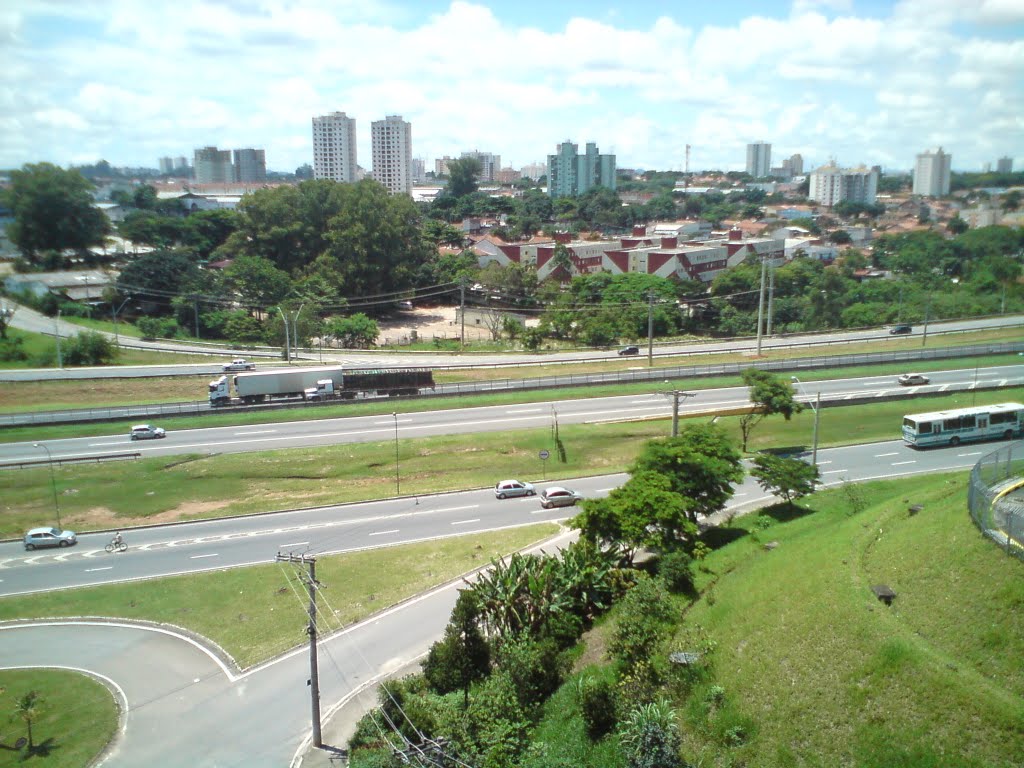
<point>931,173</point>
<point>334,147</point>
<point>391,140</point>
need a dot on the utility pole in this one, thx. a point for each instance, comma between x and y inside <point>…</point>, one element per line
<point>927,310</point>
<point>462,311</point>
<point>287,345</point>
<point>56,325</point>
<point>650,328</point>
<point>760,305</point>
<point>314,675</point>
<point>675,394</point>
<point>771,296</point>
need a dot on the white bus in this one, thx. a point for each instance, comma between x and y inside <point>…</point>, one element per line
<point>985,422</point>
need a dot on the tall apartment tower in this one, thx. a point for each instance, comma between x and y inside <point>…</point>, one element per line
<point>571,174</point>
<point>213,166</point>
<point>1004,165</point>
<point>759,159</point>
<point>166,165</point>
<point>830,184</point>
<point>391,141</point>
<point>250,165</point>
<point>931,173</point>
<point>489,164</point>
<point>334,147</point>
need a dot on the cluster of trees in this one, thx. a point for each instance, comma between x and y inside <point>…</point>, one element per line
<point>505,650</point>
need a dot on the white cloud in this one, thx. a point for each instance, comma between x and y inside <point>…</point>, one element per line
<point>131,82</point>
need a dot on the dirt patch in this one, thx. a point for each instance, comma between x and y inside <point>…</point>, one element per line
<point>102,518</point>
<point>427,322</point>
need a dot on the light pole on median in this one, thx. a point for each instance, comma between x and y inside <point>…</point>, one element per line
<point>53,482</point>
<point>398,479</point>
<point>816,407</point>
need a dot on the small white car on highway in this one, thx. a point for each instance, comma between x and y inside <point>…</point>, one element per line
<point>913,379</point>
<point>509,488</point>
<point>239,364</point>
<point>147,432</point>
<point>556,496</point>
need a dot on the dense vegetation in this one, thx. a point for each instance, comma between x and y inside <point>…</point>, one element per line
<point>311,256</point>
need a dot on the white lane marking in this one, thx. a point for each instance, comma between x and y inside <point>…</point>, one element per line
<point>824,462</point>
<point>296,544</point>
<point>383,533</point>
<point>466,522</point>
<point>257,432</point>
<point>974,453</point>
<point>104,568</point>
<point>32,560</point>
<point>834,471</point>
<point>880,455</point>
<point>898,463</point>
<point>62,558</point>
<point>738,495</point>
<point>604,490</point>
<point>540,511</point>
<point>454,509</point>
<point>391,421</point>
<point>200,557</point>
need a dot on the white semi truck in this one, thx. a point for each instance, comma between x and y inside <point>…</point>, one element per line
<point>319,383</point>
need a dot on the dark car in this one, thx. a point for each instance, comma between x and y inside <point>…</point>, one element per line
<point>900,329</point>
<point>631,350</point>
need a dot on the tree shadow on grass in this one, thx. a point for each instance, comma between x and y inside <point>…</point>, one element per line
<point>787,451</point>
<point>717,537</point>
<point>784,511</point>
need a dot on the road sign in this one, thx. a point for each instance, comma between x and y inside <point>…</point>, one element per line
<point>544,455</point>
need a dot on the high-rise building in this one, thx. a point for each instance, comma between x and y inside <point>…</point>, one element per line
<point>931,173</point>
<point>391,143</point>
<point>213,166</point>
<point>419,170</point>
<point>334,147</point>
<point>759,159</point>
<point>571,174</point>
<point>489,164</point>
<point>830,184</point>
<point>250,165</point>
<point>166,165</point>
<point>794,164</point>
<point>534,170</point>
<point>1004,165</point>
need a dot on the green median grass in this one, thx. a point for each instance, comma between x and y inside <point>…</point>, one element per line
<point>255,613</point>
<point>77,717</point>
<point>160,490</point>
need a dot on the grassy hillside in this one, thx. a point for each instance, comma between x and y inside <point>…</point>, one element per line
<point>817,672</point>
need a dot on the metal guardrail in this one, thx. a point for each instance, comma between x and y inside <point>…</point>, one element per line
<point>117,413</point>
<point>999,516</point>
<point>68,460</point>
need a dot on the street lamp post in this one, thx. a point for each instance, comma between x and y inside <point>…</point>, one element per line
<point>398,479</point>
<point>287,346</point>
<point>53,482</point>
<point>816,407</point>
<point>56,327</point>
<point>114,312</point>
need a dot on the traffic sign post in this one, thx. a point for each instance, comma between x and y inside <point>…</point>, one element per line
<point>544,456</point>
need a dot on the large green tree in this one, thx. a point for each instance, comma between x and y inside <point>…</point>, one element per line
<point>53,211</point>
<point>462,176</point>
<point>786,477</point>
<point>157,276</point>
<point>701,463</point>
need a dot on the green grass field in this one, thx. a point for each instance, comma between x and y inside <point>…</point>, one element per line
<point>77,717</point>
<point>123,494</point>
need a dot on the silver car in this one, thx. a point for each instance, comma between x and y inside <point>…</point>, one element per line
<point>147,432</point>
<point>41,538</point>
<point>556,496</point>
<point>509,488</point>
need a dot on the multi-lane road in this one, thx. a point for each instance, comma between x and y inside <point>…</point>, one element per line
<point>496,418</point>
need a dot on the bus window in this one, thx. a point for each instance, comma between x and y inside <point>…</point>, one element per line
<point>951,424</point>
<point>966,422</point>
<point>924,428</point>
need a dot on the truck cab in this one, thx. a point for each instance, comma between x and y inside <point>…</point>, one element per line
<point>323,390</point>
<point>220,391</point>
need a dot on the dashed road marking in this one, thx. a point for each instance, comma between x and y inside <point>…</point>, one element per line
<point>466,522</point>
<point>296,544</point>
<point>383,533</point>
<point>200,557</point>
<point>898,463</point>
<point>880,455</point>
<point>104,568</point>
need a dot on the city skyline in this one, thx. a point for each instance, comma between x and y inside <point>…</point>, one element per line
<point>869,83</point>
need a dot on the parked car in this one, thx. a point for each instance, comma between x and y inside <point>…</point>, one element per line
<point>556,496</point>
<point>630,350</point>
<point>41,538</point>
<point>239,364</point>
<point>911,379</point>
<point>147,432</point>
<point>509,488</point>
<point>897,330</point>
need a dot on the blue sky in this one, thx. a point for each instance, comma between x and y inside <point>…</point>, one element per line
<point>863,82</point>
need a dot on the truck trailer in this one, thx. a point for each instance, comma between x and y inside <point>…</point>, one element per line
<point>319,383</point>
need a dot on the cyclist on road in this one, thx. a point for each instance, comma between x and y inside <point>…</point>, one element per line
<point>118,539</point>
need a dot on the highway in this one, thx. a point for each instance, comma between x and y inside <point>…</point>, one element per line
<point>263,437</point>
<point>271,358</point>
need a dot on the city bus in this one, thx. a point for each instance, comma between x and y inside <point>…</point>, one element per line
<point>960,425</point>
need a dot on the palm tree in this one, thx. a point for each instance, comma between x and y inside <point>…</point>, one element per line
<point>28,709</point>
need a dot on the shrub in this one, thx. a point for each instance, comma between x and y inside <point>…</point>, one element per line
<point>676,570</point>
<point>645,612</point>
<point>649,737</point>
<point>11,349</point>
<point>88,348</point>
<point>597,706</point>
<point>533,666</point>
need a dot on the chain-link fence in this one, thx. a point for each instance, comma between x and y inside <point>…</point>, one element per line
<point>995,497</point>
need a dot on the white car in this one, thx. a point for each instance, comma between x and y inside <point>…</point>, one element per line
<point>508,488</point>
<point>239,364</point>
<point>147,432</point>
<point>913,379</point>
